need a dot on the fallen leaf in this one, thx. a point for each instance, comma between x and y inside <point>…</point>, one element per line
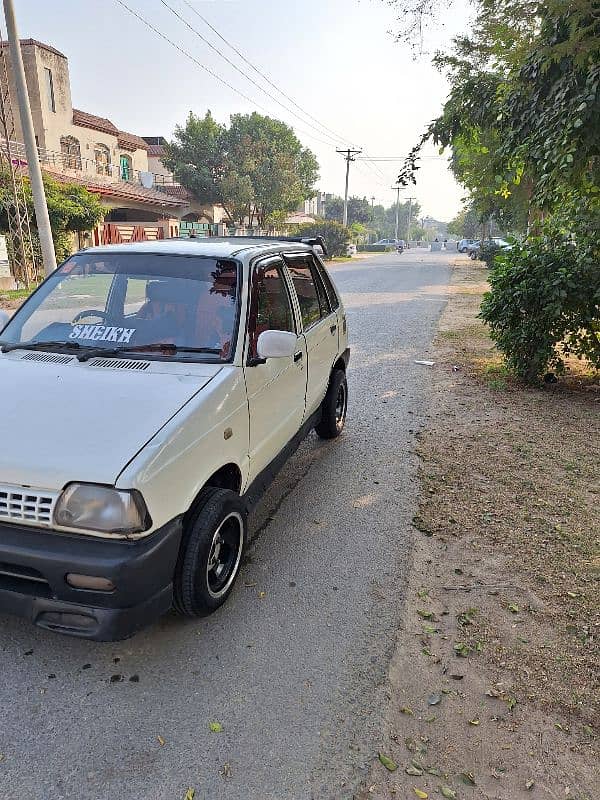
<point>448,793</point>
<point>226,771</point>
<point>406,710</point>
<point>571,594</point>
<point>161,741</point>
<point>262,595</point>
<point>434,771</point>
<point>215,727</point>
<point>422,593</point>
<point>412,770</point>
<point>430,719</point>
<point>588,730</point>
<point>189,795</point>
<point>388,763</point>
<point>514,608</point>
<point>511,702</point>
<point>429,629</point>
<point>424,613</point>
<point>250,584</point>
<point>419,793</point>
<point>434,699</point>
<point>468,778</point>
<point>529,785</point>
<point>461,649</point>
<point>473,722</point>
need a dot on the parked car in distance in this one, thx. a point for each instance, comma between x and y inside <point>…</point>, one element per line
<point>156,388</point>
<point>463,245</point>
<point>496,241</point>
<point>393,243</point>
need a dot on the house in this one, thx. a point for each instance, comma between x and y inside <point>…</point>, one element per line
<point>142,199</point>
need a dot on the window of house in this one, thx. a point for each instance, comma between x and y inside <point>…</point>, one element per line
<point>102,156</point>
<point>312,296</point>
<point>49,89</point>
<point>126,167</point>
<point>270,308</point>
<point>71,152</point>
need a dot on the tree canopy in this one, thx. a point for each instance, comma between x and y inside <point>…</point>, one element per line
<point>255,167</point>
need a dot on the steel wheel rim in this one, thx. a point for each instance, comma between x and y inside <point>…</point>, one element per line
<point>224,555</point>
<point>340,407</point>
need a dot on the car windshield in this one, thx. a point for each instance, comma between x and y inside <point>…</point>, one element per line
<point>120,301</point>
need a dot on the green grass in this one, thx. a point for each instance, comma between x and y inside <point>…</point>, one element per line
<point>16,294</point>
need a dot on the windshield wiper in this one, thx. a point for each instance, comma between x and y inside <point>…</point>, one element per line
<point>158,347</point>
<point>7,347</point>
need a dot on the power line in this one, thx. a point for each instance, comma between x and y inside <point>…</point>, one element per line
<point>263,75</point>
<point>205,68</point>
<point>334,139</point>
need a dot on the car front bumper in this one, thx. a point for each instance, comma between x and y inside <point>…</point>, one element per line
<point>33,568</point>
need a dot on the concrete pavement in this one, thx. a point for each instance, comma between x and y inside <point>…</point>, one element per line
<point>296,676</point>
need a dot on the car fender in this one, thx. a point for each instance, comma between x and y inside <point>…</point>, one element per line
<point>212,430</point>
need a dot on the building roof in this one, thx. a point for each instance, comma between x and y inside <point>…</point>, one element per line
<point>176,191</point>
<point>211,247</point>
<point>85,120</point>
<point>120,189</point>
<point>36,43</point>
<point>298,218</point>
<point>130,141</point>
<point>156,150</point>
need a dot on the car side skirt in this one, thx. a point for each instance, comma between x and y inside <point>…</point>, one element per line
<point>264,479</point>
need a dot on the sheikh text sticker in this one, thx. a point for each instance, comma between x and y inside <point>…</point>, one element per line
<point>102,333</point>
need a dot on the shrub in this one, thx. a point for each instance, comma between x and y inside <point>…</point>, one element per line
<point>487,253</point>
<point>336,237</point>
<point>544,303</point>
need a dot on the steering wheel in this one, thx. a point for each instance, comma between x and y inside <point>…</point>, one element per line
<point>89,313</point>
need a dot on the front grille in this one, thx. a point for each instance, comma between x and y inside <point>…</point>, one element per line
<point>25,580</point>
<point>25,505</point>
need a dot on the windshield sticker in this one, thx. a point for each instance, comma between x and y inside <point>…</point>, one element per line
<point>102,333</point>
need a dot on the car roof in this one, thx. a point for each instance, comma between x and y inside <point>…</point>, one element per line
<point>211,247</point>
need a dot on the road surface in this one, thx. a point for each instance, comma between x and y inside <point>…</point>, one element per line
<point>294,666</point>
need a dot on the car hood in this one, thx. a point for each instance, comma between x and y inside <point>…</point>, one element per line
<point>79,422</point>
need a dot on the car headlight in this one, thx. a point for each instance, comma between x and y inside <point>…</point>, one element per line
<point>101,509</point>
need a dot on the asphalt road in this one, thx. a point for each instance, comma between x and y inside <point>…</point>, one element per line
<point>296,676</point>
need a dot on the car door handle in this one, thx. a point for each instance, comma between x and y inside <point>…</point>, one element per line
<point>333,328</point>
<point>298,355</point>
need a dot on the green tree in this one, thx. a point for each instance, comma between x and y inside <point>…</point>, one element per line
<point>522,121</point>
<point>255,167</point>
<point>71,208</point>
<point>336,237</point>
<point>465,224</point>
<point>359,210</point>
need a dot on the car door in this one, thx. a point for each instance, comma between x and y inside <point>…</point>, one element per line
<point>276,387</point>
<point>319,325</point>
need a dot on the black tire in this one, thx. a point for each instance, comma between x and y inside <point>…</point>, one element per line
<point>334,407</point>
<point>199,590</point>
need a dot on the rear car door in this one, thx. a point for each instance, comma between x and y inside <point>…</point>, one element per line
<point>276,387</point>
<point>319,325</point>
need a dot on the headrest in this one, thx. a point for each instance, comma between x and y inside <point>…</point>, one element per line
<point>168,291</point>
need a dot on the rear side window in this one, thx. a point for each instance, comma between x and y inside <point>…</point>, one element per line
<point>334,300</point>
<point>312,296</point>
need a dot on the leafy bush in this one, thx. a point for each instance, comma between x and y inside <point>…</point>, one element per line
<point>487,253</point>
<point>544,302</point>
<point>335,235</point>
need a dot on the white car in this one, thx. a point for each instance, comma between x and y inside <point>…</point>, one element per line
<point>150,391</point>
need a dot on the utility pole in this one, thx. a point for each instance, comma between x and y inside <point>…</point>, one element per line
<point>35,173</point>
<point>348,157</point>
<point>397,190</point>
<point>410,199</point>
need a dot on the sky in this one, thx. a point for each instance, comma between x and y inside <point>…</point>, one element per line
<point>336,59</point>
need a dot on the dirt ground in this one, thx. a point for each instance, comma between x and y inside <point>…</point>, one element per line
<point>496,682</point>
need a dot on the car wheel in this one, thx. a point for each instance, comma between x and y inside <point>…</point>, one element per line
<point>334,407</point>
<point>211,552</point>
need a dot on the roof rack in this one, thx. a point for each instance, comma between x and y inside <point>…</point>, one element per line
<point>312,241</point>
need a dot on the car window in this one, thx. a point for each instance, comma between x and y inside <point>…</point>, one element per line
<point>270,306</point>
<point>103,300</point>
<point>312,297</point>
<point>334,300</point>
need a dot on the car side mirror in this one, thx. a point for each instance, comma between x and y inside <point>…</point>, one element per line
<point>276,344</point>
<point>4,318</point>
